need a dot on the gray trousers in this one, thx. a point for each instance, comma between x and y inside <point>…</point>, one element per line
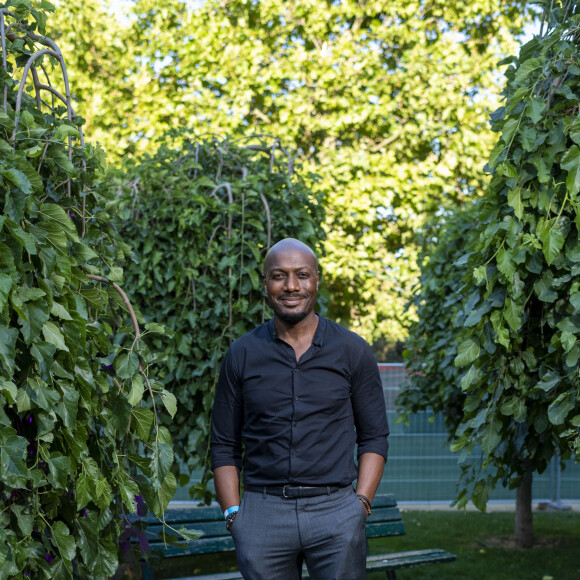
<point>273,536</point>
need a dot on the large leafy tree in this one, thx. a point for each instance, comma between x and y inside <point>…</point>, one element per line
<point>80,446</point>
<point>516,329</point>
<point>387,101</point>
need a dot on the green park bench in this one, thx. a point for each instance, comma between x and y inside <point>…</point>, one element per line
<point>384,521</point>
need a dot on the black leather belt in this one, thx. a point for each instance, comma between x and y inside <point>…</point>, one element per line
<point>294,491</point>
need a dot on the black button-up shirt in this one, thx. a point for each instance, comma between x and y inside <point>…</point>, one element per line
<point>299,421</point>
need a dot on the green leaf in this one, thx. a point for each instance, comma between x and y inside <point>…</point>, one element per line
<point>169,401</point>
<point>65,131</point>
<point>470,377</point>
<point>535,108</point>
<point>62,160</point>
<point>60,311</point>
<point>126,365</point>
<point>143,463</point>
<point>532,65</point>
<point>17,178</point>
<point>467,352</point>
<point>158,500</point>
<point>509,129</point>
<point>129,489</point>
<point>543,288</point>
<point>67,409</point>
<point>25,239</point>
<point>491,436</point>
<point>9,390</point>
<point>33,316</point>
<point>515,200</point>
<point>553,239</point>
<point>189,534</point>
<point>59,470</point>
<point>8,338</point>
<point>575,131</point>
<point>559,409</point>
<point>55,215</point>
<point>506,264</point>
<point>61,569</point>
<point>13,470</point>
<point>5,286</point>
<point>64,541</point>
<point>24,518</point>
<point>493,157</point>
<point>53,335</point>
<point>502,333</point>
<point>155,327</point>
<point>549,381</point>
<point>161,461</point>
<point>137,390</point>
<point>571,163</point>
<point>103,493</point>
<point>515,406</point>
<point>142,422</point>
<point>575,300</point>
<point>513,314</point>
<point>86,492</point>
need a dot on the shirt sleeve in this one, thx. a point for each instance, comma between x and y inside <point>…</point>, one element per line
<point>368,404</point>
<point>227,417</point>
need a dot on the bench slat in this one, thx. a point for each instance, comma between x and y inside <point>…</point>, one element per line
<point>384,514</point>
<point>378,529</point>
<point>384,500</point>
<point>409,559</point>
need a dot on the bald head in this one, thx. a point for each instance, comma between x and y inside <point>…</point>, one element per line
<point>291,281</point>
<point>290,246</point>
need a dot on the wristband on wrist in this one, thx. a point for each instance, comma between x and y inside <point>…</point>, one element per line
<point>230,519</point>
<point>366,503</point>
<point>231,510</point>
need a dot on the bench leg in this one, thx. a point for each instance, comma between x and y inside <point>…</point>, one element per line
<point>391,575</point>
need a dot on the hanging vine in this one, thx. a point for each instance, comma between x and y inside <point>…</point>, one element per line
<point>81,444</point>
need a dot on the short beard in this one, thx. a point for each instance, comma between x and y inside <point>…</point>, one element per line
<point>291,317</point>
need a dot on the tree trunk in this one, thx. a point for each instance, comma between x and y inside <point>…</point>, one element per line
<point>524,516</point>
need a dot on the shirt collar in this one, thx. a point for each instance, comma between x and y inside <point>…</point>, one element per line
<point>318,334</point>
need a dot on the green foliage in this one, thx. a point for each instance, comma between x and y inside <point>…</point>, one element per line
<point>387,101</point>
<point>201,214</point>
<point>515,323</point>
<point>78,442</point>
<point>432,348</point>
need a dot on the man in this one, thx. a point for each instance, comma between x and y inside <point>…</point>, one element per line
<point>293,391</point>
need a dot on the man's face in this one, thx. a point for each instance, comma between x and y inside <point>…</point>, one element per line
<point>291,283</point>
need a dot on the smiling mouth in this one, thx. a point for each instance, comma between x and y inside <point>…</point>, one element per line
<point>291,300</point>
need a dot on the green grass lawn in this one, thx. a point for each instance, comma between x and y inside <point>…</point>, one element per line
<point>483,544</point>
<point>485,548</point>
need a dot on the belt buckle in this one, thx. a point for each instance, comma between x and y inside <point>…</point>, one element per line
<point>284,492</point>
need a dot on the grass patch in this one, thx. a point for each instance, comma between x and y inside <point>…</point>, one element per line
<point>483,544</point>
<point>485,547</point>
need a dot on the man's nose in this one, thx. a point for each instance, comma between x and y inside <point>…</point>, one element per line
<point>292,283</point>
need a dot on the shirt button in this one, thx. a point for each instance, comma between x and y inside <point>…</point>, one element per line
<point>296,370</point>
